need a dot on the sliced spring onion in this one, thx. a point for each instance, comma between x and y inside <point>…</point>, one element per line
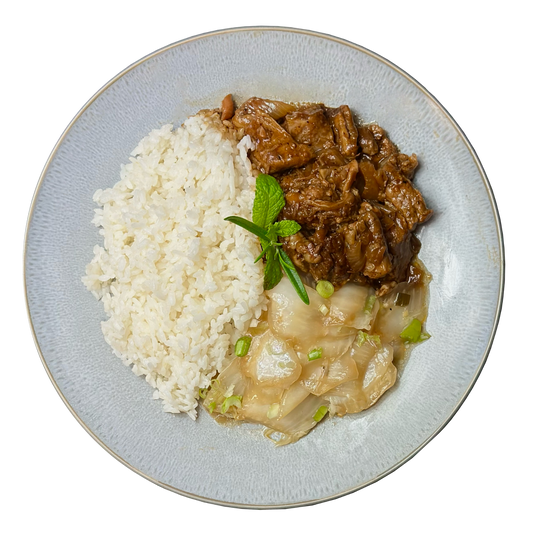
<point>402,299</point>
<point>375,339</point>
<point>202,393</point>
<point>212,406</point>
<point>325,288</point>
<point>273,411</point>
<point>314,354</point>
<point>242,346</point>
<point>363,337</point>
<point>324,309</point>
<point>320,413</point>
<point>229,402</point>
<point>412,332</point>
<point>369,304</point>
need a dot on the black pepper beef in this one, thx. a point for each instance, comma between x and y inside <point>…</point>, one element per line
<point>346,185</point>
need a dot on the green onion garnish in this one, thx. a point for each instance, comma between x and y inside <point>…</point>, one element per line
<point>369,304</point>
<point>325,288</point>
<point>229,402</point>
<point>273,411</point>
<point>314,354</point>
<point>412,332</point>
<point>362,337</point>
<point>211,407</point>
<point>242,346</point>
<point>202,393</point>
<point>320,413</point>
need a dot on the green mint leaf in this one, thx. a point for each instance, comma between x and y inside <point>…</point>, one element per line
<point>273,273</point>
<point>265,243</point>
<point>249,226</point>
<point>285,228</point>
<point>268,202</point>
<point>293,276</point>
<point>272,235</point>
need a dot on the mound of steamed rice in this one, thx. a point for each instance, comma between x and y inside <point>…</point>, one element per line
<point>178,283</point>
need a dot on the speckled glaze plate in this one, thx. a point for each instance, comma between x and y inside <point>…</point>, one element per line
<point>238,467</point>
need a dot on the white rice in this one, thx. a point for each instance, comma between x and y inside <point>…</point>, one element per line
<point>178,283</point>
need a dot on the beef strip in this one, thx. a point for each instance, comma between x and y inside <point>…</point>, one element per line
<point>402,245</point>
<point>275,150</point>
<point>366,246</point>
<point>344,130</point>
<point>399,191</point>
<point>370,181</point>
<point>348,187</point>
<point>334,266</point>
<point>367,142</point>
<point>310,126</point>
<point>320,196</point>
<point>385,146</point>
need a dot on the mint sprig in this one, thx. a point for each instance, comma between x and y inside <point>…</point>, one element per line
<point>268,202</point>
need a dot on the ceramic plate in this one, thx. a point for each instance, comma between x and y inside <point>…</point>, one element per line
<point>462,248</point>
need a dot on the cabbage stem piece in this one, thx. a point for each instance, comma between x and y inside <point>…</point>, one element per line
<point>296,424</point>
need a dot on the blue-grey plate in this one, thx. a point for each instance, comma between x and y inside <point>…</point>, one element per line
<point>462,247</point>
